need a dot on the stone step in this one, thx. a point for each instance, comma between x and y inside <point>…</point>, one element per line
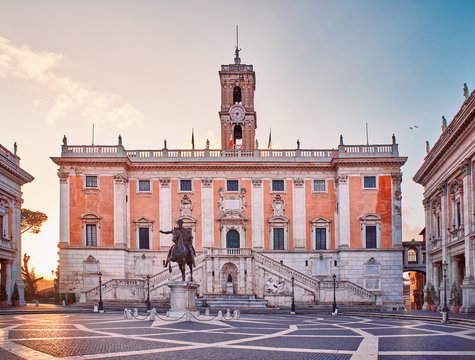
<point>231,301</point>
<point>229,296</point>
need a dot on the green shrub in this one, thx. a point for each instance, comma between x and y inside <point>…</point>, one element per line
<point>3,293</point>
<point>431,296</point>
<point>71,298</point>
<point>455,298</point>
<point>16,293</point>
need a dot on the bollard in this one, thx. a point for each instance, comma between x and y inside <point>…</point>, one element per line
<point>236,315</point>
<point>136,312</point>
<point>129,314</point>
<point>228,313</point>
<point>444,317</point>
<point>95,308</point>
<point>220,315</point>
<point>152,314</point>
<point>188,316</point>
<point>125,311</point>
<point>207,311</point>
<point>63,302</point>
<point>37,303</point>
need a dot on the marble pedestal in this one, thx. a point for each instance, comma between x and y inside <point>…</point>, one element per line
<point>182,298</point>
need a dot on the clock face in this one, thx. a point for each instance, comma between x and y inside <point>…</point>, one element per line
<point>237,112</point>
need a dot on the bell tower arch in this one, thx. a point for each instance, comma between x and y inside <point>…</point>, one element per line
<point>237,115</point>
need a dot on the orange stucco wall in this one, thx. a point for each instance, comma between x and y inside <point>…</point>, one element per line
<point>319,205</point>
<point>247,185</point>
<point>366,201</point>
<point>97,201</point>
<point>146,205</point>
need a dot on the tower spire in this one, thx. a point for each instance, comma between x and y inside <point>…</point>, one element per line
<point>237,59</point>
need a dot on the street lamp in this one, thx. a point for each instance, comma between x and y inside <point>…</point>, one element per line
<point>445,309</point>
<point>334,293</point>
<point>101,305</point>
<point>149,306</point>
<point>293,297</point>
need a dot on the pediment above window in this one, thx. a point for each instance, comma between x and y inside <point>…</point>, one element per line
<point>320,221</point>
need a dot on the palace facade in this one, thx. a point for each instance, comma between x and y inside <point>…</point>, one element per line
<point>447,176</point>
<point>261,218</point>
<point>12,177</point>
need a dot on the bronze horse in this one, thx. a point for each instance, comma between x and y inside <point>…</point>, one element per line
<point>181,254</point>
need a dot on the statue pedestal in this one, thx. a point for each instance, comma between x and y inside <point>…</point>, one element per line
<point>182,298</point>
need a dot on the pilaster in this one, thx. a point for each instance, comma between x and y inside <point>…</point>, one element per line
<point>120,210</point>
<point>257,199</point>
<point>298,207</point>
<point>165,212</point>
<point>63,207</point>
<point>343,195</point>
<point>396,210</point>
<point>468,225</point>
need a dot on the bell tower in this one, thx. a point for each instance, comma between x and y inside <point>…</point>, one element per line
<point>237,115</point>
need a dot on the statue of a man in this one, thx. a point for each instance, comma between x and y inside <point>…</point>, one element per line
<point>187,239</point>
<point>465,90</point>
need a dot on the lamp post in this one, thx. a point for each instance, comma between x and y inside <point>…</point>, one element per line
<point>334,292</point>
<point>293,297</point>
<point>149,306</point>
<point>445,309</point>
<point>101,305</point>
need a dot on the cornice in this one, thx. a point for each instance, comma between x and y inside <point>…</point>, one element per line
<point>15,172</point>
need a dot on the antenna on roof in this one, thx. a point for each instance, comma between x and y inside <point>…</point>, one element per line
<point>92,134</point>
<point>367,139</point>
<point>237,59</point>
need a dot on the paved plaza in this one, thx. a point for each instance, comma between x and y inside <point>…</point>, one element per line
<point>253,336</point>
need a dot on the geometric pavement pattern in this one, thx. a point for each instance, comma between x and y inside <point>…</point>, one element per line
<point>253,336</point>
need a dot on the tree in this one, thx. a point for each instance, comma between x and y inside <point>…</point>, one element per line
<point>29,278</point>
<point>32,220</point>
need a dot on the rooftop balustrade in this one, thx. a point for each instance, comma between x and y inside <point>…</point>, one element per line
<point>302,155</point>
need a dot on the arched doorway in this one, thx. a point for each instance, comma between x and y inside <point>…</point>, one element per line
<point>232,239</point>
<point>229,272</point>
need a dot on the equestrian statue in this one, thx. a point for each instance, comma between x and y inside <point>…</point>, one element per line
<point>182,251</point>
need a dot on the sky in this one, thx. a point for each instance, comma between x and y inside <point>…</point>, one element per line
<point>323,68</point>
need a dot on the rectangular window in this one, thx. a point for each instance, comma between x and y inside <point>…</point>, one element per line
<point>321,239</point>
<point>278,239</point>
<point>278,185</point>
<point>232,185</point>
<point>91,181</point>
<point>319,185</point>
<point>459,214</point>
<point>370,182</point>
<point>91,235</point>
<point>370,237</point>
<point>185,185</point>
<point>143,238</point>
<point>144,185</point>
<point>438,226</point>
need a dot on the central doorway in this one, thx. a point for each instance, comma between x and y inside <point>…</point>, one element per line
<point>232,239</point>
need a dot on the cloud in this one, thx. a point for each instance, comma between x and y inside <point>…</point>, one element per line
<point>69,96</point>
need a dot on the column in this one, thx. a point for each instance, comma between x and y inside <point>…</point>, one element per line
<point>343,195</point>
<point>120,212</point>
<point>428,237</point>
<point>396,210</point>
<point>453,274</point>
<point>298,206</point>
<point>165,212</point>
<point>444,219</point>
<point>468,210</point>
<point>207,213</point>
<point>63,208</point>
<point>257,199</point>
<point>15,269</point>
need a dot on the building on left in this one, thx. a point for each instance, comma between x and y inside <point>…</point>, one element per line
<point>12,177</point>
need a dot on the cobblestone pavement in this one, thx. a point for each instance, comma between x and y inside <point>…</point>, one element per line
<point>256,336</point>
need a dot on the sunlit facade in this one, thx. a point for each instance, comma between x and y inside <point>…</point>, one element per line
<point>259,216</point>
<point>447,176</point>
<point>12,177</point>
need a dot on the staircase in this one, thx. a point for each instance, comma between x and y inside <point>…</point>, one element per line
<point>223,301</point>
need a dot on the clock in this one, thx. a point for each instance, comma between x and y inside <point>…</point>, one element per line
<point>237,112</point>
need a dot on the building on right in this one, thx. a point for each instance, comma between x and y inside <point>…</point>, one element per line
<point>447,175</point>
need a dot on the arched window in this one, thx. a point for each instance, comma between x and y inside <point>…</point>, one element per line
<point>412,256</point>
<point>237,95</point>
<point>232,239</point>
<point>237,132</point>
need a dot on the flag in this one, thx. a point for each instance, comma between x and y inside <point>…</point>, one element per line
<point>231,139</point>
<point>270,136</point>
<point>192,138</point>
